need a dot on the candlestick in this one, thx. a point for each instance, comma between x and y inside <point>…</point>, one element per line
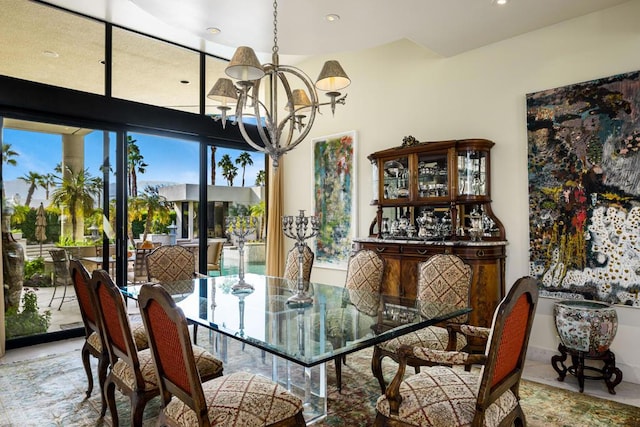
<point>300,228</point>
<point>240,227</point>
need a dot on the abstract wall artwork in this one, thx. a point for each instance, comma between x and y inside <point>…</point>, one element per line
<point>334,170</point>
<point>584,189</point>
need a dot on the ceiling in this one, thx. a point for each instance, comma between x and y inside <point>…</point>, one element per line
<point>446,27</point>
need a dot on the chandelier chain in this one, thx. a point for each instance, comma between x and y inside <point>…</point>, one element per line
<point>275,27</point>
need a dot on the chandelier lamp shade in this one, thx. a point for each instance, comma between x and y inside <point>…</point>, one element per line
<point>283,83</point>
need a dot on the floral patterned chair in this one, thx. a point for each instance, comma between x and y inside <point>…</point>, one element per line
<point>291,268</point>
<point>239,399</point>
<point>361,296</point>
<point>442,278</point>
<point>447,396</point>
<point>170,263</point>
<point>132,370</point>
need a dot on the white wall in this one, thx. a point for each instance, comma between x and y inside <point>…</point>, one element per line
<point>401,89</point>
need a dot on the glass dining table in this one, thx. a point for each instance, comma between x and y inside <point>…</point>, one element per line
<point>301,339</point>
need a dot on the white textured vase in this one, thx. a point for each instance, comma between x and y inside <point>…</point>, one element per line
<point>587,326</point>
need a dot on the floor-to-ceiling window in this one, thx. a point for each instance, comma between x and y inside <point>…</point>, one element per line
<point>79,76</point>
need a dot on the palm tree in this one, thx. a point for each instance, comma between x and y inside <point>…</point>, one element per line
<point>213,164</point>
<point>33,179</point>
<point>229,171</point>
<point>135,161</point>
<point>261,178</point>
<point>258,211</point>
<point>78,192</point>
<point>8,155</point>
<point>47,182</point>
<point>243,160</point>
<point>157,208</point>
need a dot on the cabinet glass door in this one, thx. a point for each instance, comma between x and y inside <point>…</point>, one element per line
<point>433,176</point>
<point>397,178</point>
<point>472,173</point>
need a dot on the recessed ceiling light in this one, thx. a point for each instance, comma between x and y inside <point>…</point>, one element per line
<point>214,30</point>
<point>332,17</point>
<point>500,2</point>
<point>185,82</point>
<point>50,54</point>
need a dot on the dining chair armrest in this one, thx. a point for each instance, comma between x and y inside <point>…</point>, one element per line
<point>447,358</point>
<point>454,329</point>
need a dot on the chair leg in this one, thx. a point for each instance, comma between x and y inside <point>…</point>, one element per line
<point>338,364</point>
<point>87,368</point>
<point>64,294</point>
<point>55,288</point>
<point>110,396</point>
<point>103,365</point>
<point>376,367</point>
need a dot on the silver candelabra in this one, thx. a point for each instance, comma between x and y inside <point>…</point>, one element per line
<point>300,228</point>
<point>240,227</point>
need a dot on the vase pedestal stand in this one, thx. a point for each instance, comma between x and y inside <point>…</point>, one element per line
<point>611,375</point>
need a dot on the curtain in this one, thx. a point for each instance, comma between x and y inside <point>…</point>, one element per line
<point>275,239</point>
<point>2,332</point>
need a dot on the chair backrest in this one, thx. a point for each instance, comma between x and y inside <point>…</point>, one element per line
<point>169,263</point>
<point>508,342</point>
<point>140,265</point>
<point>291,268</point>
<point>60,260</point>
<point>364,281</point>
<point>445,279</point>
<point>81,283</point>
<point>114,322</point>
<point>171,349</point>
<point>214,256</point>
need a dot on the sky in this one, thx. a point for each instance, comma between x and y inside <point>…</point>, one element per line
<point>169,160</point>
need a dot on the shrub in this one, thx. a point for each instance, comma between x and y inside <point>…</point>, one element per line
<point>29,321</point>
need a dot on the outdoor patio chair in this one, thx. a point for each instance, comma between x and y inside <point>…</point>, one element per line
<point>132,370</point>
<point>214,257</point>
<point>239,399</point>
<point>443,278</point>
<point>443,395</point>
<point>61,276</point>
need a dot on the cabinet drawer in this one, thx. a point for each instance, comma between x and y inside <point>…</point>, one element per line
<point>382,248</point>
<point>421,251</point>
<point>480,252</point>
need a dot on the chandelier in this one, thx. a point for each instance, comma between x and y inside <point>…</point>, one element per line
<point>281,135</point>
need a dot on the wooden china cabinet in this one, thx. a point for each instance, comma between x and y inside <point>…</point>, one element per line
<point>433,198</point>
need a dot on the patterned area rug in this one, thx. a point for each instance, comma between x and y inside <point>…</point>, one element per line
<point>50,391</point>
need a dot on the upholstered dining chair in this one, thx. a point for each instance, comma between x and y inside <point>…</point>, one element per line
<point>443,278</point>
<point>93,345</point>
<point>132,370</point>
<point>291,268</point>
<point>170,263</point>
<point>443,395</point>
<point>214,257</point>
<point>362,292</point>
<point>61,276</point>
<point>239,399</point>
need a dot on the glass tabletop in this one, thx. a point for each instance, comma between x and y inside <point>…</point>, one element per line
<point>338,321</point>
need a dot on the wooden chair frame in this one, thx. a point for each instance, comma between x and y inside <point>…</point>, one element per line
<point>502,369</point>
<point>379,352</point>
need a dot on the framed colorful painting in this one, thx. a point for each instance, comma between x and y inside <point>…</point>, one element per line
<point>584,189</point>
<point>334,172</point>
